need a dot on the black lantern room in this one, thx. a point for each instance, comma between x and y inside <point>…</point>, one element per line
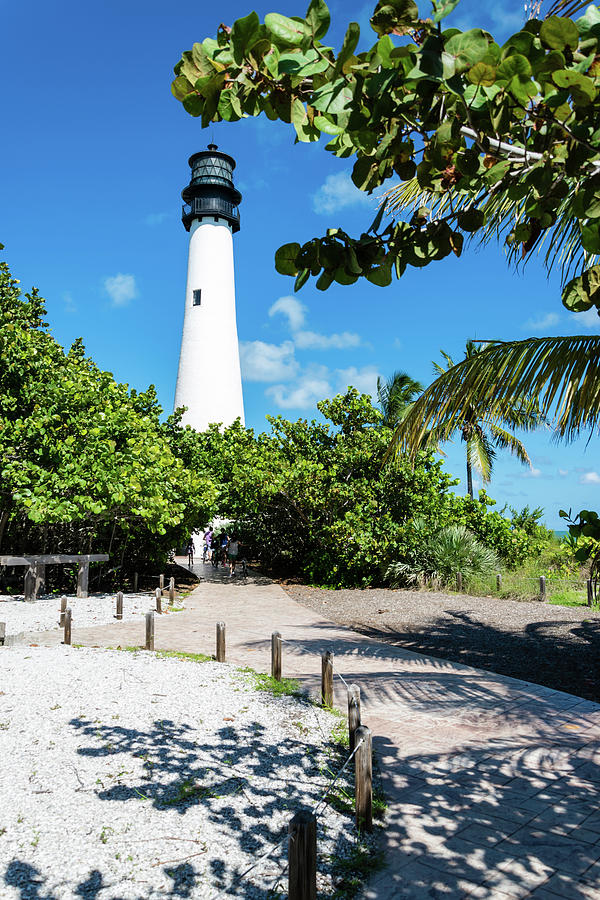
<point>210,195</point>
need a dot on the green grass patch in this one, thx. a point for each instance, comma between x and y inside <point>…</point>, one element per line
<point>569,598</point>
<point>169,654</point>
<point>339,734</point>
<point>353,870</point>
<point>180,654</point>
<point>289,687</point>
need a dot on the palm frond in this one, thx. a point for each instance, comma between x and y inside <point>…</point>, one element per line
<point>561,242</point>
<point>480,454</point>
<point>504,440</point>
<point>563,373</point>
<point>395,396</point>
<point>525,414</point>
<point>567,7</point>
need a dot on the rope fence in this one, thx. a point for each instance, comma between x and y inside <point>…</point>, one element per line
<point>507,584</point>
<point>302,829</point>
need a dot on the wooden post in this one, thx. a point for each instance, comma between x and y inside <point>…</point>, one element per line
<point>67,636</point>
<point>363,778</point>
<point>29,585</point>
<point>39,574</point>
<point>498,582</point>
<point>171,590</point>
<point>63,608</point>
<point>161,582</point>
<point>150,630</point>
<point>2,633</point>
<point>353,714</point>
<point>276,655</point>
<point>158,594</point>
<point>327,679</point>
<point>119,605</point>
<point>590,594</point>
<point>220,641</point>
<point>136,579</point>
<point>302,856</point>
<point>459,581</point>
<point>83,577</point>
<point>543,587</point>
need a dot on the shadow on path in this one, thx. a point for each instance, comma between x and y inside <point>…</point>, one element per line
<point>540,653</point>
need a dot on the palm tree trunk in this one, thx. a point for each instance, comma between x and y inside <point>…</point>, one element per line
<point>469,479</point>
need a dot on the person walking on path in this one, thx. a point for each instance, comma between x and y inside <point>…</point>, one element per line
<point>233,549</point>
<point>208,536</point>
<point>223,548</point>
<point>190,551</point>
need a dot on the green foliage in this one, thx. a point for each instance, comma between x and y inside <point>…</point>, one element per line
<point>396,396</point>
<point>85,464</point>
<point>512,543</point>
<point>426,104</point>
<point>584,529</point>
<point>456,549</point>
<point>319,501</point>
<point>441,553</point>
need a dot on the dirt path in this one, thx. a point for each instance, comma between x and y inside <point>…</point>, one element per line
<point>556,646</point>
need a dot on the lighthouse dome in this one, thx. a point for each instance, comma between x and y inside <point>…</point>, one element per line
<point>210,167</point>
<point>211,190</point>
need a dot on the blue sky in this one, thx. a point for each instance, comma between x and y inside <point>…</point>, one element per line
<point>93,160</point>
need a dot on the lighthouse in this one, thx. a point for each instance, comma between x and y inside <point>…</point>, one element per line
<point>209,381</point>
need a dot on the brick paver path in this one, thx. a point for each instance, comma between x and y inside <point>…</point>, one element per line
<point>492,782</point>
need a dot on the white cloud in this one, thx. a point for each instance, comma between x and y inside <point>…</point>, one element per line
<point>311,340</point>
<point>337,192</point>
<point>364,379</point>
<point>293,310</point>
<point>306,391</point>
<point>532,473</point>
<point>590,478</point>
<point>295,313</point>
<point>70,305</point>
<point>563,472</point>
<point>543,323</point>
<point>121,288</point>
<point>589,318</point>
<point>268,362</point>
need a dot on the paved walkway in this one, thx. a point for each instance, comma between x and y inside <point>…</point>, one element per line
<point>492,783</point>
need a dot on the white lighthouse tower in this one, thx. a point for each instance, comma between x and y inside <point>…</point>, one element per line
<point>209,381</point>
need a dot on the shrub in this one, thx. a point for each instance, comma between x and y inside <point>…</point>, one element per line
<point>442,553</point>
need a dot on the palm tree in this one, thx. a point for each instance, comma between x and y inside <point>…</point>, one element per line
<point>396,396</point>
<point>562,373</point>
<point>482,433</point>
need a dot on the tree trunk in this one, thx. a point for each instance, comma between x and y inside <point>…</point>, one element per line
<point>469,479</point>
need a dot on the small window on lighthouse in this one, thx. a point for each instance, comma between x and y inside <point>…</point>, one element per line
<point>197,298</point>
